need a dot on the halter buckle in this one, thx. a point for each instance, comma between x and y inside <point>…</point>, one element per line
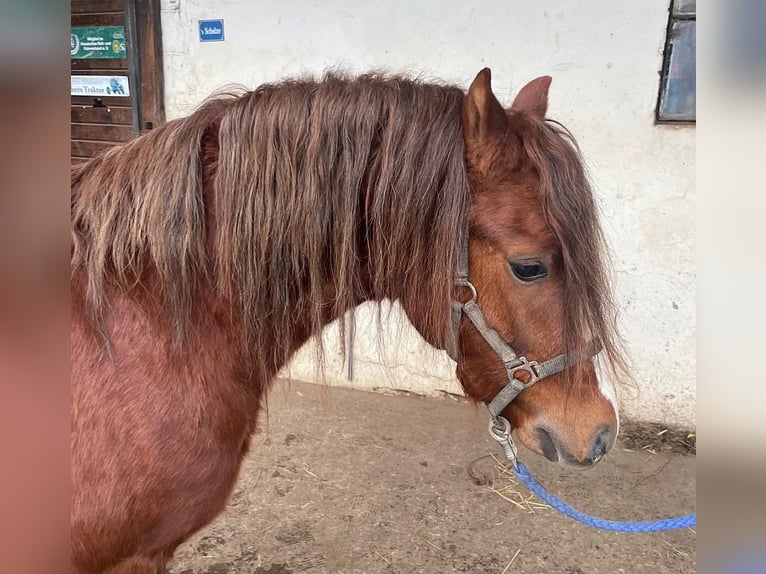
<point>529,367</point>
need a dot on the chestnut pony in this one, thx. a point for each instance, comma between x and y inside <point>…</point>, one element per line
<point>206,252</point>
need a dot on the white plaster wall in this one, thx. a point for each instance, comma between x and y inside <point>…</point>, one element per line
<point>604,58</point>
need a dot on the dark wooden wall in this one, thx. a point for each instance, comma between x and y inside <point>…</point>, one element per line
<point>99,123</point>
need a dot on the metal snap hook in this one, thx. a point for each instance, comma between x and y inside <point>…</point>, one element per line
<point>500,430</point>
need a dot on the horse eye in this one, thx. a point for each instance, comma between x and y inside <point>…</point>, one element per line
<point>529,270</point>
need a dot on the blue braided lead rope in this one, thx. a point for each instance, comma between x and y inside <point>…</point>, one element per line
<point>522,473</point>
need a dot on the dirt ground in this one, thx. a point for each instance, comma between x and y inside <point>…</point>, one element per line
<point>348,481</point>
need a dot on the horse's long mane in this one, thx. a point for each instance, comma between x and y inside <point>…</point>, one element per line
<point>259,198</point>
<point>256,199</point>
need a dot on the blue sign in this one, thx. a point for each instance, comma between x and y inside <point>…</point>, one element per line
<point>211,30</point>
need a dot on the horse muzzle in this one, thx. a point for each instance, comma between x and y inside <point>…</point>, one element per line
<point>552,448</point>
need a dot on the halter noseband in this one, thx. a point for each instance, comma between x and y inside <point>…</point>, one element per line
<point>500,427</point>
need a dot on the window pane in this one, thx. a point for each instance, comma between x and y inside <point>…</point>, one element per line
<point>684,7</point>
<point>679,94</point>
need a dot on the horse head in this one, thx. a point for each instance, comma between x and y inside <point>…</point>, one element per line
<point>535,268</point>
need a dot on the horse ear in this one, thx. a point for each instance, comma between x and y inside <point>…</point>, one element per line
<point>482,113</point>
<point>533,97</point>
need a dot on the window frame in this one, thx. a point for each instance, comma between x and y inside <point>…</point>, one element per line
<point>673,18</point>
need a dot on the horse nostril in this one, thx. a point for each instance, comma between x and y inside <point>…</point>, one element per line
<point>546,444</point>
<point>600,445</point>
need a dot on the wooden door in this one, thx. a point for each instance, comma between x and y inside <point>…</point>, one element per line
<point>116,65</point>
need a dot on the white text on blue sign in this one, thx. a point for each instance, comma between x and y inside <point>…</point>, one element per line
<point>211,31</point>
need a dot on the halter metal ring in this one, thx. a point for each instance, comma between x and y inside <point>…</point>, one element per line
<point>474,294</point>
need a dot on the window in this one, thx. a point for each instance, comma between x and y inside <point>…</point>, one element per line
<point>677,101</point>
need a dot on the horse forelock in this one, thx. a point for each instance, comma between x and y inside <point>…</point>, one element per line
<point>316,195</point>
<point>570,211</point>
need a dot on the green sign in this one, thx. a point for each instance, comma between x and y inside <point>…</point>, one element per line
<point>98,42</point>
